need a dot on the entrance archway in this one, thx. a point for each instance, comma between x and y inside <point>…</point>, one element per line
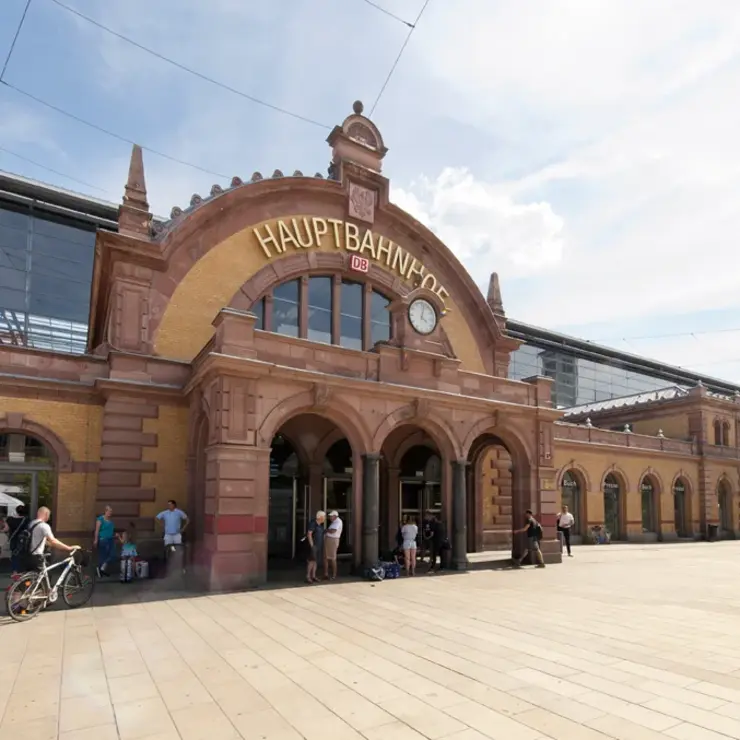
<point>308,474</point>
<point>499,491</point>
<point>649,501</point>
<point>614,492</point>
<point>681,509</point>
<point>724,502</point>
<point>414,479</point>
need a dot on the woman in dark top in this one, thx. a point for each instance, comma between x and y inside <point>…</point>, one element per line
<point>315,539</point>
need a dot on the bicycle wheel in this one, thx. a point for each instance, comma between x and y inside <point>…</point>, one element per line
<point>77,588</point>
<point>26,597</point>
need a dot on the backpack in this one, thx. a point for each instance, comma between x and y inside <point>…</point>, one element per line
<point>15,535</point>
<point>23,541</point>
<point>539,534</point>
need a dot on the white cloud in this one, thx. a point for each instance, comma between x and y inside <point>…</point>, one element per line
<point>483,225</point>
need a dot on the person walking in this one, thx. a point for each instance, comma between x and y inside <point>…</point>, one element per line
<point>409,533</point>
<point>104,541</point>
<point>331,545</point>
<point>534,534</point>
<point>566,520</point>
<point>315,539</point>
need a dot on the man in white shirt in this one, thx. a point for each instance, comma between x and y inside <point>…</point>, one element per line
<point>566,520</point>
<point>40,534</point>
<point>175,523</point>
<point>331,545</point>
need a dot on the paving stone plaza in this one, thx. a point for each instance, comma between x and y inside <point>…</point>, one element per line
<point>638,643</point>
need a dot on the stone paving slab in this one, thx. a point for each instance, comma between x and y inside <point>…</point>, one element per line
<point>629,643</point>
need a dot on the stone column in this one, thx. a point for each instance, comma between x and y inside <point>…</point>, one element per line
<point>459,515</point>
<point>236,516</point>
<point>370,508</point>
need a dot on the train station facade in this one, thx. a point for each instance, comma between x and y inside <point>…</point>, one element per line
<point>295,343</point>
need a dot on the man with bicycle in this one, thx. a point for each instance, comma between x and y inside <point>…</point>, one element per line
<point>40,535</point>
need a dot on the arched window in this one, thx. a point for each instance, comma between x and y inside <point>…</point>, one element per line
<point>717,432</point>
<point>680,508</point>
<point>613,506</point>
<point>647,496</point>
<point>726,433</point>
<point>327,309</point>
<point>570,493</point>
<point>724,502</point>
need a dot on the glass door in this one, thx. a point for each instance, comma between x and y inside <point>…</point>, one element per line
<point>282,516</point>
<point>338,497</point>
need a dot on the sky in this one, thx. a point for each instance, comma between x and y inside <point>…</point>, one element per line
<point>586,150</point>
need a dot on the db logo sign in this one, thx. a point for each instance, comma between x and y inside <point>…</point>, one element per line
<point>359,264</point>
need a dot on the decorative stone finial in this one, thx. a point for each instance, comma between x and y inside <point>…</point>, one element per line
<point>627,428</point>
<point>133,215</point>
<point>660,433</point>
<point>494,295</point>
<point>358,107</point>
<point>236,182</point>
<point>588,422</point>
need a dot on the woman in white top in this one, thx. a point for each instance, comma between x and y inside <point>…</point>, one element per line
<point>409,532</point>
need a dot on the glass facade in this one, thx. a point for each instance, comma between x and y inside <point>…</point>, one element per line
<point>579,381</point>
<point>45,278</point>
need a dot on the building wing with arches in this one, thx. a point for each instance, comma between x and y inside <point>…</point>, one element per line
<point>296,343</point>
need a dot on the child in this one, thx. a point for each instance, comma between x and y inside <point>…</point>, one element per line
<point>128,556</point>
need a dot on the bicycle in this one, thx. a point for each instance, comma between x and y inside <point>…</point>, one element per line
<point>32,592</point>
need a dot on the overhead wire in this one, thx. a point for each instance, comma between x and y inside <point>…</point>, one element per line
<point>398,58</point>
<point>108,132</point>
<point>15,38</point>
<point>190,70</point>
<point>388,13</point>
<point>668,336</point>
<point>51,169</point>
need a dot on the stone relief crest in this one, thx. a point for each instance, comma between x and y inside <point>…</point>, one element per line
<point>361,203</point>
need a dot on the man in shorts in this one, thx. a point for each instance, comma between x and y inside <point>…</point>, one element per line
<point>331,545</point>
<point>175,523</point>
<point>534,534</point>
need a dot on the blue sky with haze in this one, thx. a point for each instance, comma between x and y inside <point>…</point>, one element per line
<point>587,151</point>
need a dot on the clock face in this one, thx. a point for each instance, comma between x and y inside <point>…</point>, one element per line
<point>423,316</point>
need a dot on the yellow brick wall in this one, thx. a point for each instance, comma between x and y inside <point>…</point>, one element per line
<point>79,427</point>
<point>170,480</point>
<point>674,426</point>
<point>75,502</point>
<point>214,279</point>
<point>597,463</point>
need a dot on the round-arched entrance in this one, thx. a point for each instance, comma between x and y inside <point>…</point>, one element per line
<point>681,508</point>
<point>724,503</point>
<point>312,468</point>
<point>613,490</point>
<point>498,490</point>
<point>412,482</point>
<point>650,508</point>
